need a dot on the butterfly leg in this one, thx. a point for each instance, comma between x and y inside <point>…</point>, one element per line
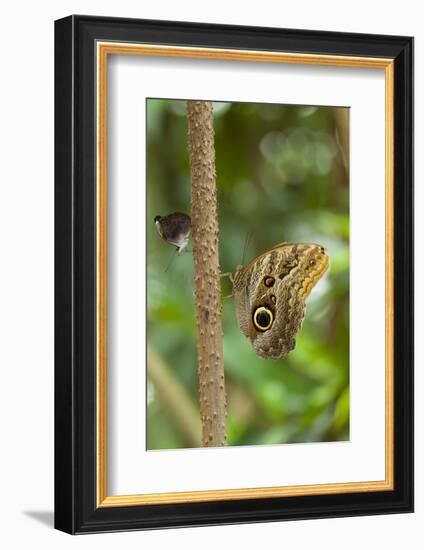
<point>181,248</point>
<point>229,275</point>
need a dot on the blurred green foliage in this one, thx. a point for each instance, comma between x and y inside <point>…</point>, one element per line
<point>281,176</point>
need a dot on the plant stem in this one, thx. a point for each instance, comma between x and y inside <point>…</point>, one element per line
<point>204,221</point>
<point>175,396</point>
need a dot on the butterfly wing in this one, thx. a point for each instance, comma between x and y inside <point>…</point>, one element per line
<point>270,295</point>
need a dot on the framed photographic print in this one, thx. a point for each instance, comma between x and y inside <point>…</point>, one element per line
<point>234,274</point>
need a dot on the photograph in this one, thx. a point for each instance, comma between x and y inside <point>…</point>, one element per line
<point>282,212</point>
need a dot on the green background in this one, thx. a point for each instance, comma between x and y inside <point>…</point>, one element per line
<point>282,175</point>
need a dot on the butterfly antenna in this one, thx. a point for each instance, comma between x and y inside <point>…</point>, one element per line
<point>246,244</point>
<point>171,260</point>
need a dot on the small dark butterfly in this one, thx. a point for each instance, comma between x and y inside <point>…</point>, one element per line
<point>174,229</point>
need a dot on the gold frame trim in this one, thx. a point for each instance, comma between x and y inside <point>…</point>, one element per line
<point>119,48</point>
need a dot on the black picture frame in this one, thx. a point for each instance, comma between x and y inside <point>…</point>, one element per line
<point>76,509</point>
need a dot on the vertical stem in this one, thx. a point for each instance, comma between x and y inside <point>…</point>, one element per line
<point>204,221</point>
<point>173,393</point>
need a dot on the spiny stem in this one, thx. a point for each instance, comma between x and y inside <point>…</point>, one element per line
<point>205,238</point>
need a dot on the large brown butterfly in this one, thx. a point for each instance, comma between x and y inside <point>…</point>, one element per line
<point>270,295</point>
